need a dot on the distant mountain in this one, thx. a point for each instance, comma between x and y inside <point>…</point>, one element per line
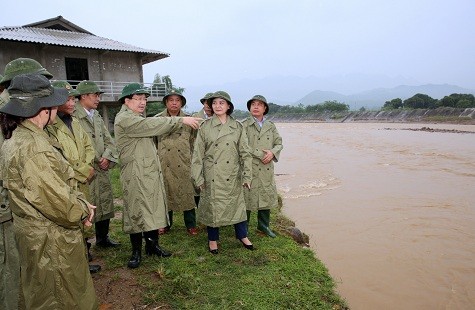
<point>356,90</point>
<point>376,98</point>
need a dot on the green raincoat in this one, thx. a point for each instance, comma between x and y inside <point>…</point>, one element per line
<point>100,187</point>
<point>222,162</point>
<point>77,148</point>
<point>47,217</point>
<point>145,207</point>
<point>263,193</point>
<point>175,150</point>
<point>9,259</point>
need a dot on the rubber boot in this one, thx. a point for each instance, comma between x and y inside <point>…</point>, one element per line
<point>88,244</point>
<point>102,235</point>
<point>151,245</point>
<point>248,213</point>
<point>136,258</point>
<point>263,220</point>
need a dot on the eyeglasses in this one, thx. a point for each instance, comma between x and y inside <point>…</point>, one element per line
<point>140,99</point>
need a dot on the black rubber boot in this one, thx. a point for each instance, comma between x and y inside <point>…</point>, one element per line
<point>136,258</point>
<point>102,235</point>
<point>151,245</point>
<point>88,245</point>
<point>263,220</point>
<point>248,213</point>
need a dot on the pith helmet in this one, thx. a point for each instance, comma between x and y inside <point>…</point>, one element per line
<point>206,97</point>
<point>29,93</point>
<point>260,98</point>
<point>88,87</point>
<point>23,66</point>
<point>223,95</point>
<point>67,86</point>
<point>132,89</point>
<point>172,92</point>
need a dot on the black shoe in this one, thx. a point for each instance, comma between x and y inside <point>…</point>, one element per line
<point>152,248</point>
<point>215,251</point>
<point>135,259</point>
<point>248,246</point>
<point>107,243</point>
<point>94,268</point>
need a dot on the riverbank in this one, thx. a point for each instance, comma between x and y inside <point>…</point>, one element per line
<point>439,115</point>
<point>282,273</point>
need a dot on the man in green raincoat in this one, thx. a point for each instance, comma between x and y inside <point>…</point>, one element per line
<point>106,156</point>
<point>265,144</point>
<point>145,206</point>
<point>175,150</point>
<point>76,147</point>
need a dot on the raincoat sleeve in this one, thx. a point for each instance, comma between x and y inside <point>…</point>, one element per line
<point>110,150</point>
<point>276,145</point>
<point>197,160</point>
<point>82,172</point>
<point>140,127</point>
<point>46,191</point>
<point>246,158</point>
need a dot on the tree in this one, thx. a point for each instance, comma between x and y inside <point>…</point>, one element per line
<point>420,101</point>
<point>393,104</point>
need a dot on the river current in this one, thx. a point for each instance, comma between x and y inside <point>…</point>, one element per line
<point>390,211</point>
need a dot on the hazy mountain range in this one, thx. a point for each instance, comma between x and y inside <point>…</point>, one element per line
<point>357,90</point>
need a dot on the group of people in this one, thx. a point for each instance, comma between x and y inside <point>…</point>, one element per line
<point>55,157</point>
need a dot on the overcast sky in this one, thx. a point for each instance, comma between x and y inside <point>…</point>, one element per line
<point>213,42</point>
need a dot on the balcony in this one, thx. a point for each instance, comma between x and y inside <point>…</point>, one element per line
<point>113,90</point>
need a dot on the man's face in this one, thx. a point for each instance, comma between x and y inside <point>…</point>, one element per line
<point>174,104</point>
<point>90,101</point>
<point>207,109</point>
<point>138,103</point>
<point>257,108</point>
<point>68,107</point>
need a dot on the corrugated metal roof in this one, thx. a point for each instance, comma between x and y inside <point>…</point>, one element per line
<point>73,39</point>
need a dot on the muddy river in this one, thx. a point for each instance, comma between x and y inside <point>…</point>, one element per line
<point>390,211</point>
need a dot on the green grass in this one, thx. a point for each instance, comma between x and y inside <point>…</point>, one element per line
<point>279,274</point>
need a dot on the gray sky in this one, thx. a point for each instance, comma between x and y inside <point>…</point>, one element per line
<point>216,42</point>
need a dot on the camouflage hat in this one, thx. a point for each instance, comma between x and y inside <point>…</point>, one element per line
<point>206,97</point>
<point>88,87</point>
<point>23,66</point>
<point>132,89</point>
<point>66,85</point>
<point>173,92</point>
<point>223,95</point>
<point>260,98</point>
<point>29,93</point>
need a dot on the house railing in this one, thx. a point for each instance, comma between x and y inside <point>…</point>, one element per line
<point>113,90</point>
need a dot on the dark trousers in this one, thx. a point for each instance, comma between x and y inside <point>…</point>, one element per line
<point>240,230</point>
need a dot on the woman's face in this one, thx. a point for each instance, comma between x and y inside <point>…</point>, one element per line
<point>220,106</point>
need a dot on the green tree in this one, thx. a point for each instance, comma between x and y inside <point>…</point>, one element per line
<point>420,101</point>
<point>393,104</point>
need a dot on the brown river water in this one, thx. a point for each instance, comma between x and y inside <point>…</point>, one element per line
<point>391,213</point>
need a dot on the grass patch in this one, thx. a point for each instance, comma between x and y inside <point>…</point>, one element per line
<point>279,274</point>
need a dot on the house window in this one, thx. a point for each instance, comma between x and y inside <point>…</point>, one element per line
<point>76,70</point>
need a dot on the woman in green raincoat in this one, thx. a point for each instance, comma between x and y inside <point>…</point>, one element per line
<point>48,212</point>
<point>221,168</point>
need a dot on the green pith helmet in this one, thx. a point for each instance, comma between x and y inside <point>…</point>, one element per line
<point>88,87</point>
<point>69,88</point>
<point>260,98</point>
<point>23,66</point>
<point>172,92</point>
<point>206,97</point>
<point>133,89</point>
<point>223,95</point>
